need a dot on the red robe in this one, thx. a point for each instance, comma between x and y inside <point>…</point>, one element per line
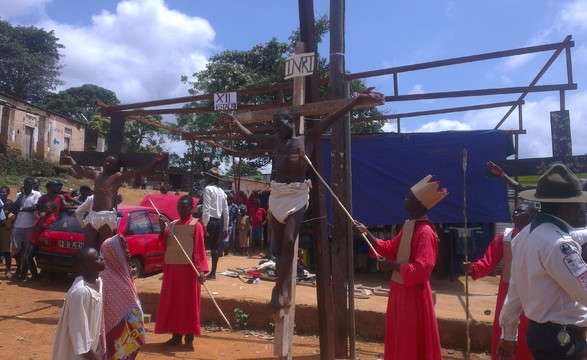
<point>484,267</point>
<point>179,302</point>
<point>411,330</point>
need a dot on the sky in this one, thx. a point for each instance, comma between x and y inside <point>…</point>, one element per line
<point>140,49</point>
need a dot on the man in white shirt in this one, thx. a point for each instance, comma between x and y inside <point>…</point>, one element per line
<point>548,275</point>
<point>214,217</point>
<point>24,208</point>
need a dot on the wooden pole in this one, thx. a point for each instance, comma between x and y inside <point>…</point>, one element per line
<point>342,248</point>
<point>318,200</point>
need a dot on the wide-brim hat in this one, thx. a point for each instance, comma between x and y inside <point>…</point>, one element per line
<point>557,185</point>
<point>212,172</point>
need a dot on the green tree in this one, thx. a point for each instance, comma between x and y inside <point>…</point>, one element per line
<point>263,65</point>
<point>29,62</point>
<point>79,102</point>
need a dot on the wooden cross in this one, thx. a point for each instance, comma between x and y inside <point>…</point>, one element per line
<point>560,125</point>
<point>114,141</point>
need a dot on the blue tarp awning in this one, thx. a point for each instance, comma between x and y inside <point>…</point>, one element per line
<point>385,166</point>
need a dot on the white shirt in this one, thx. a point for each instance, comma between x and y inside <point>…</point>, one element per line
<point>548,277</point>
<point>214,205</point>
<point>78,330</point>
<point>26,219</point>
<point>83,209</point>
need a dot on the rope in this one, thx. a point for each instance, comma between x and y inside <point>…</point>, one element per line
<point>341,205</point>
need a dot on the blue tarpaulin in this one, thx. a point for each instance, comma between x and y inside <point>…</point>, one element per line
<point>385,166</point>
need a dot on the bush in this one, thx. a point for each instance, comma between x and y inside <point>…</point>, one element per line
<point>17,165</point>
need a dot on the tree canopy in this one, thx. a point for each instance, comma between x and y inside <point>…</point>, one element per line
<point>29,62</point>
<point>263,65</point>
<point>79,102</point>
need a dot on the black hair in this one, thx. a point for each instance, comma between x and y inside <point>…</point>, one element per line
<point>284,113</point>
<point>187,199</point>
<point>81,255</point>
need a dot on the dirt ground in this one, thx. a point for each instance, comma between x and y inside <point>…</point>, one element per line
<point>29,313</point>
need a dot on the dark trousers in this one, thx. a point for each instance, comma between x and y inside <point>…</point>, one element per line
<point>542,342</point>
<point>214,229</point>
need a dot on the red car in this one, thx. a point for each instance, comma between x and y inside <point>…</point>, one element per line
<point>138,224</point>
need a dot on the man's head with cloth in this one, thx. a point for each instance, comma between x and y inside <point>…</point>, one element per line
<point>426,194</point>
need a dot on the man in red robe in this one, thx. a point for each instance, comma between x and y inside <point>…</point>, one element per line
<point>179,303</point>
<point>498,249</point>
<point>411,330</point>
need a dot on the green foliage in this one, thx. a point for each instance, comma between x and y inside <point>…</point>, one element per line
<point>241,318</point>
<point>17,165</point>
<point>29,62</point>
<point>80,102</point>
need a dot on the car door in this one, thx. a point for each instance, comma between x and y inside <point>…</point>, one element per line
<point>138,226</point>
<point>155,251</point>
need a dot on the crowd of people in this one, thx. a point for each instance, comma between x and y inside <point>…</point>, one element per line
<point>23,219</point>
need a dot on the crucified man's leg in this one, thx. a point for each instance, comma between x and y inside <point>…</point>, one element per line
<point>285,236</point>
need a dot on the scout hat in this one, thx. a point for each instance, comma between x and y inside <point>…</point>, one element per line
<point>213,172</point>
<point>428,192</point>
<point>557,185</point>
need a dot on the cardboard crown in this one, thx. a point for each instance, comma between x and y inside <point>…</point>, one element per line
<point>428,193</point>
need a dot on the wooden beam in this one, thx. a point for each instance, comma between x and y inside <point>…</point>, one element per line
<point>319,108</point>
<point>482,92</point>
<point>535,166</point>
<point>127,160</point>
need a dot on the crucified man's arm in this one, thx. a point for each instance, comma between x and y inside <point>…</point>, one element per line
<point>264,140</point>
<point>134,173</point>
<point>321,126</point>
<point>78,169</point>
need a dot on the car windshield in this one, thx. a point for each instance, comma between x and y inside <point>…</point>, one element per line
<point>66,222</point>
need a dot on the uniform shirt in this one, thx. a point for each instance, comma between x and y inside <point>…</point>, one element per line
<point>26,219</point>
<point>548,277</point>
<point>214,205</point>
<point>78,330</point>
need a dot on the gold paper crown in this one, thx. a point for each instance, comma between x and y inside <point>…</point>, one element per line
<point>428,192</point>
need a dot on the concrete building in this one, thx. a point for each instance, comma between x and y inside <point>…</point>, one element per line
<point>36,133</point>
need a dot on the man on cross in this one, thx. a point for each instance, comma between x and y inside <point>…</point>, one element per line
<point>290,189</point>
<point>101,221</point>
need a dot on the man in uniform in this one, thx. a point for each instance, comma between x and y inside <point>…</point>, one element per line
<point>548,276</point>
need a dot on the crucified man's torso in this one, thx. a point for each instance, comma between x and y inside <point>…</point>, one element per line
<point>289,163</point>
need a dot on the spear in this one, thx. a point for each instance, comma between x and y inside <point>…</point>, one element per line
<point>466,249</point>
<point>193,267</point>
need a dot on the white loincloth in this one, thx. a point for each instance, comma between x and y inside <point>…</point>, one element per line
<point>286,199</point>
<point>97,219</point>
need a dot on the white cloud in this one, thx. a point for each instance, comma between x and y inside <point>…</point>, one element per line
<point>140,52</point>
<point>574,13</point>
<point>417,89</point>
<point>443,125</point>
<point>15,8</point>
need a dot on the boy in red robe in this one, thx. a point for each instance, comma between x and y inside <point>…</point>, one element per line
<point>500,248</point>
<point>411,330</point>
<point>179,304</point>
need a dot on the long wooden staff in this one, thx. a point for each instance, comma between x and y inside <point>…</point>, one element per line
<point>193,267</point>
<point>340,203</point>
<point>466,249</point>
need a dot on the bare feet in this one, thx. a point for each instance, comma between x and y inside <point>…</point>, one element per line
<point>280,301</point>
